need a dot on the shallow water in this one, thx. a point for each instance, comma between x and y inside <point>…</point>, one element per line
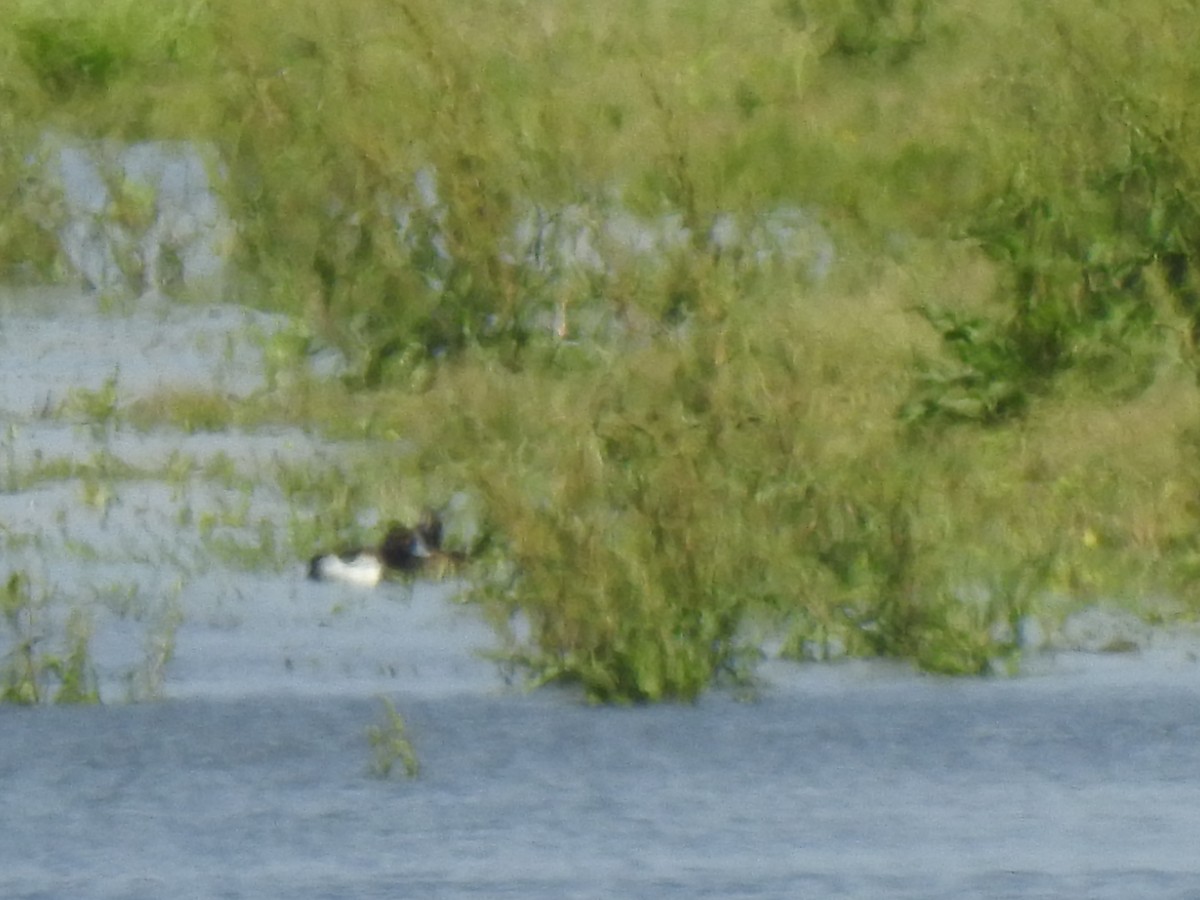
<point>903,788</point>
<point>248,775</point>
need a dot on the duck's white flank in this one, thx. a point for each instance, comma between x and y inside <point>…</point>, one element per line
<point>361,569</point>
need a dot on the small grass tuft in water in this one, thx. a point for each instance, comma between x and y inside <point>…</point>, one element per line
<point>31,674</point>
<point>191,411</point>
<point>390,745</point>
<point>98,408</point>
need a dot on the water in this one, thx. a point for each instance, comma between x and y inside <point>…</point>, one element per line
<point>902,787</point>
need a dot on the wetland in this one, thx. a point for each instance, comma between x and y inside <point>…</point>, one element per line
<point>811,387</point>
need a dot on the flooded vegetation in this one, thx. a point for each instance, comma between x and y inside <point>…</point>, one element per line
<point>789,352</point>
<point>882,385</point>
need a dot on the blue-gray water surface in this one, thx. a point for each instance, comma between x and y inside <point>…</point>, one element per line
<point>895,787</point>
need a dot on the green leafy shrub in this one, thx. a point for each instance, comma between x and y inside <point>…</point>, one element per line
<point>78,52</point>
<point>68,55</point>
<point>986,381</point>
<point>887,30</point>
<point>654,507</point>
<point>1093,222</point>
<point>631,586</point>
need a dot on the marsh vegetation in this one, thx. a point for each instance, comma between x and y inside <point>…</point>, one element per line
<point>34,671</point>
<point>868,324</point>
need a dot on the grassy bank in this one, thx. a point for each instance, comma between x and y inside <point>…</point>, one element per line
<point>985,409</point>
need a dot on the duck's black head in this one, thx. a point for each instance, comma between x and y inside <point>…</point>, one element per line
<point>429,530</point>
<point>401,549</point>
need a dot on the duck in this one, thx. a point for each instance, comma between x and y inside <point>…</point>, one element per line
<point>409,551</point>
